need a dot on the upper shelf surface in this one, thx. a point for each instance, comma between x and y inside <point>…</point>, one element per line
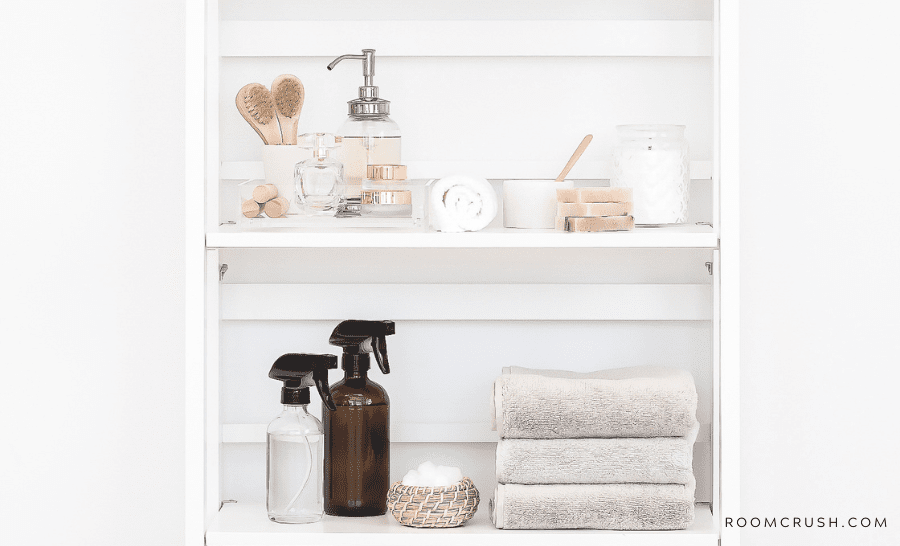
<point>685,236</point>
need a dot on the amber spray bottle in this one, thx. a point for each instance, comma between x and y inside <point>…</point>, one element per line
<point>357,433</point>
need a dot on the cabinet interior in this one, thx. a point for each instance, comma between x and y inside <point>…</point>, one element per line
<point>464,103</point>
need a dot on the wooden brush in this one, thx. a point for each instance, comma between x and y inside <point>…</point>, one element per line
<point>256,105</point>
<point>288,93</point>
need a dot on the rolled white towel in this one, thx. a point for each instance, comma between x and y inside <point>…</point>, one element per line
<point>462,203</point>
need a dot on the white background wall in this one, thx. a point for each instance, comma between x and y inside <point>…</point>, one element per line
<point>91,259</point>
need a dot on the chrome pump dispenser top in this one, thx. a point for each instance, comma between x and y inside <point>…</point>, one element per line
<point>368,102</point>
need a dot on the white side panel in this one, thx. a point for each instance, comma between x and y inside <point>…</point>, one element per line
<point>212,432</point>
<point>196,136</point>
<point>727,17</point>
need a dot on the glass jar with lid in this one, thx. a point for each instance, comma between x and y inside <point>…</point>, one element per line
<point>654,161</point>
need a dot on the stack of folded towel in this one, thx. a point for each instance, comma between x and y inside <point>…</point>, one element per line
<point>594,209</point>
<point>604,450</point>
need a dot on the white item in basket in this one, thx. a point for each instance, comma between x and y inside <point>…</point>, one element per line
<point>430,475</point>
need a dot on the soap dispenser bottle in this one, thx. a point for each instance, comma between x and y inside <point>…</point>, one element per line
<point>370,136</point>
<point>357,433</point>
<point>295,440</point>
<point>319,181</point>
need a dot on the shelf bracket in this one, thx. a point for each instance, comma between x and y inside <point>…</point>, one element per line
<point>709,267</point>
<point>222,269</point>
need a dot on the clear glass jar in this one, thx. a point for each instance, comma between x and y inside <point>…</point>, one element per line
<point>367,139</point>
<point>654,161</point>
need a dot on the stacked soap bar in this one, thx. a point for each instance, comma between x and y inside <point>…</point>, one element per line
<point>594,209</point>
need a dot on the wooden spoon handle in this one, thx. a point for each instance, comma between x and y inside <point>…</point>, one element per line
<point>578,151</point>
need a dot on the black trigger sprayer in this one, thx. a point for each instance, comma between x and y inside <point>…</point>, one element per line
<point>357,433</point>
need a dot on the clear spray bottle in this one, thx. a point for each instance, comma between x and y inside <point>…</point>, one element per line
<point>295,440</point>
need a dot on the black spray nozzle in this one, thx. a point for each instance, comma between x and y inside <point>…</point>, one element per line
<point>364,336</point>
<point>299,371</point>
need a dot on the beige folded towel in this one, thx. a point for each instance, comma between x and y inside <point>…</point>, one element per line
<point>619,506</point>
<point>634,402</point>
<point>597,460</point>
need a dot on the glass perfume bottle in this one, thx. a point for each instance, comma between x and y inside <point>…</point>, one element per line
<point>319,180</point>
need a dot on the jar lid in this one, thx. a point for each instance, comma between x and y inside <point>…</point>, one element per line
<point>386,172</point>
<point>386,197</point>
<point>369,107</point>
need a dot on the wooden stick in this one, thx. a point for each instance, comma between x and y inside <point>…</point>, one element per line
<point>574,158</point>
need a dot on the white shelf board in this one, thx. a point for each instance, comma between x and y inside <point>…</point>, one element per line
<point>245,524</point>
<point>682,236</point>
<point>468,38</point>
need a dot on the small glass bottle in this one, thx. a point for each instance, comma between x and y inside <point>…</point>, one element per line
<point>319,180</point>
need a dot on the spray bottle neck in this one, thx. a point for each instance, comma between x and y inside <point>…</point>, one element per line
<point>355,365</point>
<point>294,396</point>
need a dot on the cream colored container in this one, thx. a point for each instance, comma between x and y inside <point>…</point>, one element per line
<point>278,164</point>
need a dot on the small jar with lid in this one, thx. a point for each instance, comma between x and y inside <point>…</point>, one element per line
<point>387,193</point>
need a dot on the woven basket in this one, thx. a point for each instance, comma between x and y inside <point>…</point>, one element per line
<point>417,506</point>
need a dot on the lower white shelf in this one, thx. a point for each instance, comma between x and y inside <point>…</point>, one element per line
<point>245,524</point>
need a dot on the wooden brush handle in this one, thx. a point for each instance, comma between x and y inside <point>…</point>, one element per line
<point>578,151</point>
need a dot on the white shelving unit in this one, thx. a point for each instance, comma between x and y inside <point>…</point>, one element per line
<point>465,304</point>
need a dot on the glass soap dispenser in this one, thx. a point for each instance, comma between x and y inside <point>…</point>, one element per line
<point>319,181</point>
<point>370,136</point>
<point>295,440</point>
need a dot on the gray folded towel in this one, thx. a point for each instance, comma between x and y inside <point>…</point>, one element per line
<point>635,402</point>
<point>597,460</point>
<point>616,506</point>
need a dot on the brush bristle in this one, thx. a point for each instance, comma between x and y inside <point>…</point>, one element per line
<point>260,104</point>
<point>288,96</point>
